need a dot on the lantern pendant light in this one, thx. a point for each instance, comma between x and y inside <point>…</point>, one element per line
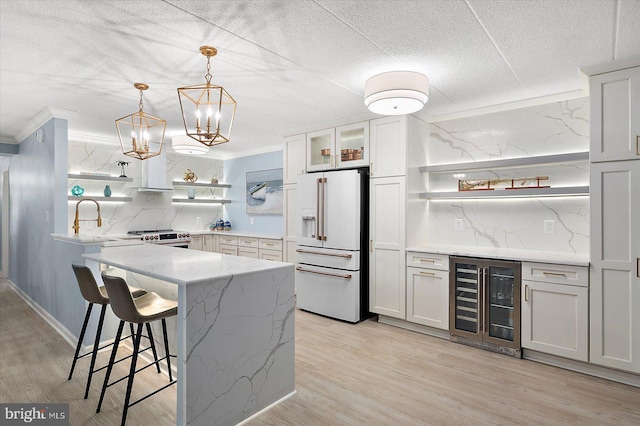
<point>207,110</point>
<point>141,134</point>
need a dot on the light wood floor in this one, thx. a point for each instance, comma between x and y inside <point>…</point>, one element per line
<point>368,373</point>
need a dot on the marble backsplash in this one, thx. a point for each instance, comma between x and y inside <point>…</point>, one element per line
<point>148,210</point>
<point>560,127</point>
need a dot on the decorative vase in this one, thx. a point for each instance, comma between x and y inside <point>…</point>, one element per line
<point>191,193</point>
<point>107,191</point>
<point>77,190</point>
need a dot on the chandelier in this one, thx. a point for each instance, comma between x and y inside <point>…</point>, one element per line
<point>141,134</point>
<point>207,110</point>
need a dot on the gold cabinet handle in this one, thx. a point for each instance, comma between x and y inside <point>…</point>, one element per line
<point>371,169</point>
<point>428,260</point>
<point>371,246</point>
<point>555,274</point>
<point>637,144</point>
<point>526,292</point>
<point>427,273</point>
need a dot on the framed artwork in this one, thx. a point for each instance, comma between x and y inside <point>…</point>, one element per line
<point>264,193</point>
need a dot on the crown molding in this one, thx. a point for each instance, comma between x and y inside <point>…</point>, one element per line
<point>41,119</point>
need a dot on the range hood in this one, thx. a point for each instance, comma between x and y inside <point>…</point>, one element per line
<point>154,174</point>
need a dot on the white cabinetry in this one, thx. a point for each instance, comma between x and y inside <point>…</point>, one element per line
<point>338,148</point>
<point>615,112</point>
<point>294,158</point>
<point>387,289</point>
<point>196,242</point>
<point>555,309</point>
<point>615,265</point>
<point>211,243</point>
<point>388,146</point>
<point>290,229</point>
<point>428,289</point>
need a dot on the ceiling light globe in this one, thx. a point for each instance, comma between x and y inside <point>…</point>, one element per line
<point>183,144</point>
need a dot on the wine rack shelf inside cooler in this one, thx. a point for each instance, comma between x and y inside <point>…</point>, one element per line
<point>466,297</point>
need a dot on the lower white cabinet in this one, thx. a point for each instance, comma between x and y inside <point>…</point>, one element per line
<point>555,309</point>
<point>428,290</point>
<point>227,249</point>
<point>211,243</point>
<point>254,247</point>
<point>387,287</point>
<point>248,252</point>
<point>196,242</point>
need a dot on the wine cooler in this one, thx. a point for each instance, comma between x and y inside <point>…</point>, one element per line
<point>485,304</point>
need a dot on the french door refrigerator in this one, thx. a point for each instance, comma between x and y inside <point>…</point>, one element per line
<point>485,304</point>
<point>332,220</point>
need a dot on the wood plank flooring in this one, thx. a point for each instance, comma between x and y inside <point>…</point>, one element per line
<point>369,373</point>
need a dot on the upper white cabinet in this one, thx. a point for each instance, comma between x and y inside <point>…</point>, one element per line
<point>295,157</point>
<point>388,146</point>
<point>338,148</point>
<point>615,265</point>
<point>615,112</point>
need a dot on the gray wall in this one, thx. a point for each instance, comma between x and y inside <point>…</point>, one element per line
<point>4,166</point>
<point>40,266</point>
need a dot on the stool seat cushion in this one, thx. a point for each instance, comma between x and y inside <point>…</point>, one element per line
<point>152,307</point>
<point>135,292</point>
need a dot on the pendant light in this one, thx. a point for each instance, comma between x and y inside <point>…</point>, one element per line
<point>183,144</point>
<point>207,110</point>
<point>396,92</point>
<point>141,134</point>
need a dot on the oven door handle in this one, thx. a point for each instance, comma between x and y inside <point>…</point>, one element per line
<point>345,276</point>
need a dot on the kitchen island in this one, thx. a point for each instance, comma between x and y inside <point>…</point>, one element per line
<point>235,328</point>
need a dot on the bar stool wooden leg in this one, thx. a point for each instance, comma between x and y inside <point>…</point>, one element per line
<point>166,348</point>
<point>95,350</point>
<point>80,339</point>
<point>110,365</point>
<point>132,373</point>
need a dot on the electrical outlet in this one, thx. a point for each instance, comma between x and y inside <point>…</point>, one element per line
<point>458,225</point>
<point>251,220</point>
<point>549,226</point>
<point>46,216</point>
<point>198,220</point>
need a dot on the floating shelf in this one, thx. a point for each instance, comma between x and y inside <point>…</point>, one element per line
<point>510,193</point>
<point>507,163</point>
<point>202,184</point>
<point>99,178</point>
<point>199,201</point>
<point>100,198</point>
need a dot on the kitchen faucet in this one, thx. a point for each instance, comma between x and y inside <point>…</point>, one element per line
<point>76,221</point>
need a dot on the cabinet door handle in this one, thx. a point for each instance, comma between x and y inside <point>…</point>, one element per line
<point>371,246</point>
<point>637,144</point>
<point>427,273</point>
<point>526,292</point>
<point>370,169</point>
<point>331,160</point>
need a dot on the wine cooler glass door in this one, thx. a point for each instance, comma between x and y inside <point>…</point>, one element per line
<point>467,294</point>
<point>500,294</point>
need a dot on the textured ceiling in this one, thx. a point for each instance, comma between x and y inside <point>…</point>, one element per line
<point>293,64</point>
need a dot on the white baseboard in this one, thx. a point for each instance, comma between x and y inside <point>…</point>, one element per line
<point>267,408</point>
<point>584,368</point>
<point>419,328</point>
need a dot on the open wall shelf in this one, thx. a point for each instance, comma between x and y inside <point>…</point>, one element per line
<point>201,184</point>
<point>199,201</point>
<point>100,198</point>
<point>507,163</point>
<point>99,178</point>
<point>509,193</point>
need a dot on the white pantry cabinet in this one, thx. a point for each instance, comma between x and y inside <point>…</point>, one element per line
<point>294,158</point>
<point>615,115</point>
<point>615,265</point>
<point>428,289</point>
<point>387,289</point>
<point>290,229</point>
<point>555,309</point>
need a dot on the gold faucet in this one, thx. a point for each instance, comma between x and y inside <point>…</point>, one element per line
<point>76,221</point>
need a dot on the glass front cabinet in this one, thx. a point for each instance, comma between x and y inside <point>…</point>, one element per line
<point>485,303</point>
<point>338,148</point>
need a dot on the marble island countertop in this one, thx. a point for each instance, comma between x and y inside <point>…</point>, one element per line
<point>577,259</point>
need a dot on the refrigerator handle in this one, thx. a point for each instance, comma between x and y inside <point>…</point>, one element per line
<point>485,315</point>
<point>318,183</point>
<point>323,183</point>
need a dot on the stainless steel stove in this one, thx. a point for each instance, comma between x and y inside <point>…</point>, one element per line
<point>165,237</point>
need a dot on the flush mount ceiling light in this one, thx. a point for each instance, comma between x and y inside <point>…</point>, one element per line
<point>141,134</point>
<point>184,144</point>
<point>207,110</point>
<point>396,92</point>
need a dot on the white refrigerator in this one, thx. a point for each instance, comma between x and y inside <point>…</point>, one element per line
<point>332,219</point>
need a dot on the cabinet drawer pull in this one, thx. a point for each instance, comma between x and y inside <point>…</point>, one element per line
<point>427,273</point>
<point>345,276</point>
<point>555,274</point>
<point>428,260</point>
<point>268,244</point>
<point>346,256</point>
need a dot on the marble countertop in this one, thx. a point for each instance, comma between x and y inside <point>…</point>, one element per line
<point>83,239</point>
<point>180,266</point>
<point>576,259</point>
<point>236,234</point>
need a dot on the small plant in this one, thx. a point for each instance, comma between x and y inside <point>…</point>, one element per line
<point>122,164</point>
